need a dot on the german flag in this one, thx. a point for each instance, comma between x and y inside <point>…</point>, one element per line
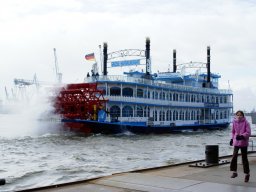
<point>90,57</point>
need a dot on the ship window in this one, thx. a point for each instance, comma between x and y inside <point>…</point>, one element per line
<point>145,94</point>
<point>156,95</point>
<point>212,116</point>
<point>221,115</point>
<point>167,96</point>
<point>168,115</point>
<point>139,111</point>
<point>175,115</point>
<point>146,111</point>
<point>207,99</point>
<point>182,115</point>
<point>225,99</point>
<point>128,92</point>
<point>115,111</point>
<point>162,116</point>
<point>213,99</point>
<point>225,114</point>
<point>155,115</point>
<point>187,97</point>
<point>203,98</point>
<point>197,115</point>
<point>175,97</point>
<point>192,98</point>
<point>217,114</point>
<point>139,93</point>
<point>193,115</point>
<point>181,97</point>
<point>221,100</point>
<point>162,95</point>
<point>127,111</point>
<point>115,91</point>
<point>170,97</point>
<point>197,99</point>
<point>187,115</point>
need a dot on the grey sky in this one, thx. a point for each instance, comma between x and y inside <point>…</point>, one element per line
<point>30,29</point>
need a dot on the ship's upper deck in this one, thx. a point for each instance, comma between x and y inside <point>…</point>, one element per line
<point>155,83</point>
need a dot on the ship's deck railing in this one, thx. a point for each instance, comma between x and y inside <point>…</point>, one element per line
<point>160,102</point>
<point>251,140</point>
<point>157,83</point>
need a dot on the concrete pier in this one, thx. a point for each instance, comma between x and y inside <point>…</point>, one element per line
<point>174,178</point>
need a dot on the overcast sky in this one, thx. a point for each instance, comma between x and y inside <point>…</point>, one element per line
<point>30,29</point>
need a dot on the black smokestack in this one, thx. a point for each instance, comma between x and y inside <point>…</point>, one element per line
<point>105,58</point>
<point>147,54</point>
<point>208,65</point>
<point>174,61</point>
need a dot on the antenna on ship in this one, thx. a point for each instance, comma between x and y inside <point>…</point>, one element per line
<point>57,72</point>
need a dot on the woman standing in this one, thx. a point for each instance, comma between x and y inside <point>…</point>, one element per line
<point>241,132</point>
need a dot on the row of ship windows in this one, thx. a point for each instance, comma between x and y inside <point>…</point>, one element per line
<point>163,95</point>
<point>169,115</point>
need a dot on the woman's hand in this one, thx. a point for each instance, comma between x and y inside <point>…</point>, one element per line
<point>240,137</point>
<point>231,142</point>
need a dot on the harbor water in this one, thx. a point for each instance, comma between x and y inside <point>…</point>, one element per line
<point>37,153</point>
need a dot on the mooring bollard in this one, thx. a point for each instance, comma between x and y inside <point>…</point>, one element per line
<point>212,154</point>
<point>2,181</point>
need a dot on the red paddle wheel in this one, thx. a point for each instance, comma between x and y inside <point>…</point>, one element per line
<point>79,101</point>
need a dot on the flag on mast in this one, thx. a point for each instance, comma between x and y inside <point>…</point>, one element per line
<point>90,57</point>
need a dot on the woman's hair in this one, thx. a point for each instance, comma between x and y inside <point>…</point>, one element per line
<point>239,111</point>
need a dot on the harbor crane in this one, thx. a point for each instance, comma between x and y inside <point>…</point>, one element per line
<point>22,84</point>
<point>25,82</point>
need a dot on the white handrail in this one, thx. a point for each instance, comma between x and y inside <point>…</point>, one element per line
<point>157,83</point>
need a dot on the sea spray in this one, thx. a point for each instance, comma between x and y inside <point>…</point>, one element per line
<point>31,116</point>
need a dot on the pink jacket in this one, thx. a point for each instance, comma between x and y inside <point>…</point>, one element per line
<point>241,127</point>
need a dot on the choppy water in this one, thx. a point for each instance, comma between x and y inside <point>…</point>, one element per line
<point>35,153</point>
